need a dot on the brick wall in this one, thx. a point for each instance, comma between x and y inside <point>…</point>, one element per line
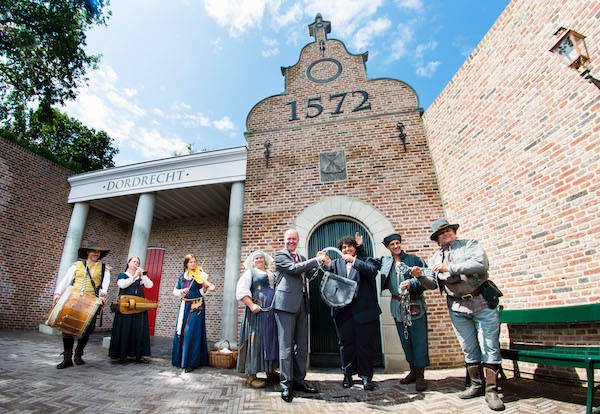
<point>34,218</point>
<point>204,237</point>
<point>401,185</point>
<point>515,139</point>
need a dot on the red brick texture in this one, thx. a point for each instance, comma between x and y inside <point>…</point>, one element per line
<point>401,185</point>
<point>515,139</point>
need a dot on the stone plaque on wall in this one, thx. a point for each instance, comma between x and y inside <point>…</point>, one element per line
<point>333,165</point>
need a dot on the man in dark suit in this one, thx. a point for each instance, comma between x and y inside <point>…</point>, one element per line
<point>291,314</point>
<point>356,323</point>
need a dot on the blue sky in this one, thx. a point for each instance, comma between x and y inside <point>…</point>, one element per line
<point>188,71</point>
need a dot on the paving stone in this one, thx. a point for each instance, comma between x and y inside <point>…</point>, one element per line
<point>30,383</point>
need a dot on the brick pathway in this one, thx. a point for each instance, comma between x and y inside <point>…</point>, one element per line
<point>30,383</point>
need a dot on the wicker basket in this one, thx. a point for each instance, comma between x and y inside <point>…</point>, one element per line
<point>219,359</point>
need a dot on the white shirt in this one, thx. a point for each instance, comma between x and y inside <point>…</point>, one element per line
<point>179,292</point>
<point>125,283</point>
<point>62,284</point>
<point>245,281</point>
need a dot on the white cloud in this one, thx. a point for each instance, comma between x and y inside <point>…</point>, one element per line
<point>130,93</point>
<point>270,52</point>
<point>152,144</point>
<point>179,106</point>
<point>422,48</point>
<point>346,16</point>
<point>159,112</point>
<point>224,124</point>
<point>293,15</point>
<point>364,36</point>
<point>270,42</point>
<point>403,38</point>
<point>238,15</point>
<point>410,4</point>
<point>428,70</point>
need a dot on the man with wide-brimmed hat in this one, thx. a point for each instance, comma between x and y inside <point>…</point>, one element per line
<point>413,332</point>
<point>89,275</point>
<point>462,267</point>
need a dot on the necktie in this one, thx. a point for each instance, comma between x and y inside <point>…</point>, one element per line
<point>295,257</point>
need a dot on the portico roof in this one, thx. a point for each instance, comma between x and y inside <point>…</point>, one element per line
<point>188,185</point>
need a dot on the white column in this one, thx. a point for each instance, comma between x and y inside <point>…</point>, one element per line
<point>74,236</point>
<point>232,262</point>
<point>141,227</point>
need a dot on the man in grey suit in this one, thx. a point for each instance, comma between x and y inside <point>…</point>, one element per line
<point>291,313</point>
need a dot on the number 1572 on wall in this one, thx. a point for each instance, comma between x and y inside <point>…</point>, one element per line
<point>314,107</point>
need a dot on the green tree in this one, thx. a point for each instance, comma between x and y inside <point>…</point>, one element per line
<point>62,139</point>
<point>42,63</point>
<point>42,51</point>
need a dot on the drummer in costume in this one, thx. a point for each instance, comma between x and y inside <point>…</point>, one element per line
<point>356,323</point>
<point>190,349</point>
<point>89,275</point>
<point>130,335</point>
<point>413,338</point>
<point>259,329</point>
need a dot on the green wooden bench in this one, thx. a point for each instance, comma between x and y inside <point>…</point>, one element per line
<point>586,357</point>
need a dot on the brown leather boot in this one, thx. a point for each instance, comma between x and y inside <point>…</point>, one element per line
<point>476,388</point>
<point>491,390</point>
<point>411,377</point>
<point>421,384</point>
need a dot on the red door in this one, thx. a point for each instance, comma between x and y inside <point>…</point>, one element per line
<point>154,264</point>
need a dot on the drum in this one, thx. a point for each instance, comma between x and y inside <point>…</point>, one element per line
<point>73,312</point>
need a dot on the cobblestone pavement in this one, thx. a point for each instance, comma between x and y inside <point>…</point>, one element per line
<point>30,383</point>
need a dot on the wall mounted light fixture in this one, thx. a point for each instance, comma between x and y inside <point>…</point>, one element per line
<point>401,134</point>
<point>572,50</point>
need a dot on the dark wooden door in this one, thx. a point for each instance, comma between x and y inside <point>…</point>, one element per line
<point>324,350</point>
<point>154,265</point>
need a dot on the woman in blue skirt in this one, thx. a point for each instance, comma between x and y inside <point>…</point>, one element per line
<point>259,329</point>
<point>190,349</point>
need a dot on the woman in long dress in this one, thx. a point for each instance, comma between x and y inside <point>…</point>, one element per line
<point>190,349</point>
<point>259,329</point>
<point>130,333</point>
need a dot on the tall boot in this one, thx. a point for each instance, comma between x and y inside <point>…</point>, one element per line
<point>67,354</point>
<point>491,389</point>
<point>421,384</point>
<point>78,355</point>
<point>476,388</point>
<point>411,377</point>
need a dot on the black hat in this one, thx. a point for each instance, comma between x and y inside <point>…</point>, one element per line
<point>388,239</point>
<point>440,225</point>
<point>82,253</point>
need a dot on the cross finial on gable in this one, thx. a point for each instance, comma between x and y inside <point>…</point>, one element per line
<point>319,28</point>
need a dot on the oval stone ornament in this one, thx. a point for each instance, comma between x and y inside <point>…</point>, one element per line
<point>309,70</point>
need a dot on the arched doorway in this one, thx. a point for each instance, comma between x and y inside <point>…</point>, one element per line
<point>324,350</point>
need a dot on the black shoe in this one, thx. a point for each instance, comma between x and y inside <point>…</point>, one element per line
<point>347,383</point>
<point>189,369</point>
<point>78,360</point>
<point>286,395</point>
<point>367,384</point>
<point>304,387</point>
<point>66,362</point>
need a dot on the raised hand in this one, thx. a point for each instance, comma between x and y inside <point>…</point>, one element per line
<point>358,238</point>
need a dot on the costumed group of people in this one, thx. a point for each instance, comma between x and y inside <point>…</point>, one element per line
<point>274,330</point>
<point>130,336</point>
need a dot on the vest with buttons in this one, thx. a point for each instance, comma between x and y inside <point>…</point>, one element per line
<point>81,277</point>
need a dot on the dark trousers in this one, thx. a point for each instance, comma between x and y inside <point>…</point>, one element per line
<point>357,344</point>
<point>69,340</point>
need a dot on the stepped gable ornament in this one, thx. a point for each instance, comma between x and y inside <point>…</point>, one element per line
<point>319,24</point>
<point>319,29</point>
<point>332,166</point>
